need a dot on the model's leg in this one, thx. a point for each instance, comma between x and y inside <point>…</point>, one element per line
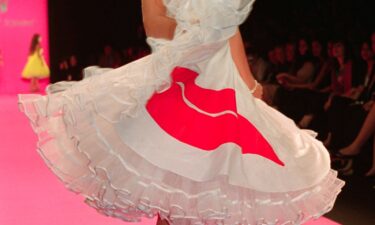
<point>371,172</point>
<point>367,131</point>
<point>37,87</point>
<point>33,84</point>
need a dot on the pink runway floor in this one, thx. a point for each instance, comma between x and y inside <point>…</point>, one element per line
<point>29,193</point>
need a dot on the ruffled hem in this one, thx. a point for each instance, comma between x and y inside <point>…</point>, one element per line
<point>92,160</point>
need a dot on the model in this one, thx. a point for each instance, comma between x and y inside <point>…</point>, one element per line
<point>36,67</point>
<point>182,133</point>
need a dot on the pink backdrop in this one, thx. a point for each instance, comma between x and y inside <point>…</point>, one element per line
<point>19,20</point>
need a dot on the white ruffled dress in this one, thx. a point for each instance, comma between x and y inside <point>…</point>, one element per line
<point>178,133</point>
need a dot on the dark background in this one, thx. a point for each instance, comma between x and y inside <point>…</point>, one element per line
<point>84,27</point>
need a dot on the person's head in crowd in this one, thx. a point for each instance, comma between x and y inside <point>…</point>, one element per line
<point>303,47</point>
<point>317,48</point>
<point>108,50</point>
<point>290,52</point>
<point>342,69</point>
<point>340,50</point>
<point>366,51</point>
<point>63,65</point>
<point>279,54</point>
<point>341,54</point>
<point>73,61</point>
<point>272,56</point>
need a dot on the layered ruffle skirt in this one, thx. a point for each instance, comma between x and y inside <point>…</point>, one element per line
<point>201,151</point>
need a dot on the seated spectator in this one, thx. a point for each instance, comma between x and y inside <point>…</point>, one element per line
<point>343,88</point>
<point>293,103</point>
<point>259,67</point>
<point>363,87</point>
<point>280,64</point>
<point>272,56</point>
<point>273,64</point>
<point>323,67</point>
<point>341,78</point>
<point>346,113</point>
<point>303,70</point>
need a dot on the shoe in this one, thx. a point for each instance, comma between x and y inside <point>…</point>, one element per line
<point>343,166</point>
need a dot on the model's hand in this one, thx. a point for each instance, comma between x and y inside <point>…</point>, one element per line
<point>258,92</point>
<point>282,78</point>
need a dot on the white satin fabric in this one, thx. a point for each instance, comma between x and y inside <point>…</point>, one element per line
<point>98,138</point>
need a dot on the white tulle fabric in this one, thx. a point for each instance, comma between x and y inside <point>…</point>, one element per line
<point>84,130</point>
<point>84,150</point>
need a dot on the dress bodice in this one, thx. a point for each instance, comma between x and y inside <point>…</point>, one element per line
<point>219,13</point>
<point>203,28</point>
<point>215,19</point>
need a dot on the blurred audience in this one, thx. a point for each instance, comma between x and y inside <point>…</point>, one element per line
<point>74,70</point>
<point>301,68</point>
<point>322,86</point>
<point>69,69</point>
<point>109,58</point>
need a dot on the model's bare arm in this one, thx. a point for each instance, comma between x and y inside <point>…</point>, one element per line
<point>155,20</point>
<point>240,59</point>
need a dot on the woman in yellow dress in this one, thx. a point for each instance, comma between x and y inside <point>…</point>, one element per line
<point>36,67</point>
